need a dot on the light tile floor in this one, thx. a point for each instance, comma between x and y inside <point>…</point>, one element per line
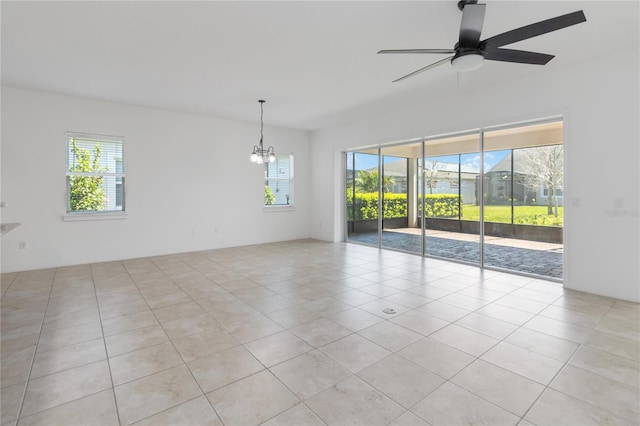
<point>293,333</point>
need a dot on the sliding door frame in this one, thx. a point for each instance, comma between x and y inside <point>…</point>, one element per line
<point>481,187</point>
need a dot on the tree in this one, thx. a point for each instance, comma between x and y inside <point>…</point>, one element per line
<point>431,174</point>
<point>86,193</point>
<point>367,181</point>
<point>543,166</point>
<point>269,196</point>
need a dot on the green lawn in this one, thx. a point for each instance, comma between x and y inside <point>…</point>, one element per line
<point>530,215</point>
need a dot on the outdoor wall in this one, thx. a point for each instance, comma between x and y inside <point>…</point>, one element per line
<point>600,104</point>
<point>189,183</point>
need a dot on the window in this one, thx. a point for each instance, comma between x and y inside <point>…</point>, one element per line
<point>95,174</point>
<point>278,181</point>
<point>120,184</point>
<point>545,192</point>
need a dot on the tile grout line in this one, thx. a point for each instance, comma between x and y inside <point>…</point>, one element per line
<point>203,394</point>
<point>104,342</point>
<point>474,356</point>
<point>561,369</point>
<point>568,362</point>
<point>519,326</point>
<point>35,351</point>
<point>9,286</point>
<point>68,369</point>
<point>288,330</point>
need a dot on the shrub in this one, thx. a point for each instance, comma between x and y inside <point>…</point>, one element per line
<point>395,205</point>
<point>366,205</point>
<point>441,205</point>
<point>539,219</point>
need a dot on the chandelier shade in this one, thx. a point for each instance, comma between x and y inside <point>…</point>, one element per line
<point>260,155</point>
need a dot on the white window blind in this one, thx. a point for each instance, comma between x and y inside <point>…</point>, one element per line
<point>95,174</point>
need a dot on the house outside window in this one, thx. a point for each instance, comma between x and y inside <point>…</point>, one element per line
<point>545,192</point>
<point>278,181</point>
<point>95,174</point>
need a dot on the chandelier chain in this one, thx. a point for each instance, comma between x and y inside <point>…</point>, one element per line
<point>261,121</point>
<point>261,155</point>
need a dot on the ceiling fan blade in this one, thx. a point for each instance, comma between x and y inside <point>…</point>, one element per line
<point>428,67</point>
<point>471,25</point>
<point>443,51</point>
<point>519,56</point>
<point>534,30</point>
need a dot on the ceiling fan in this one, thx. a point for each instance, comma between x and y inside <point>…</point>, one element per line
<point>469,52</point>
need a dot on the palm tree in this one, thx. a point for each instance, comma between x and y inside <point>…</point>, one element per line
<point>367,181</point>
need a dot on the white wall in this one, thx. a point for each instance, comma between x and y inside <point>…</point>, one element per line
<point>186,175</point>
<point>600,104</point>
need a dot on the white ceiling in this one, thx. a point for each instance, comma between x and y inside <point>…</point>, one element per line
<point>314,62</point>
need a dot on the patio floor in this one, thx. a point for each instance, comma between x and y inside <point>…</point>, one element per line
<point>531,257</point>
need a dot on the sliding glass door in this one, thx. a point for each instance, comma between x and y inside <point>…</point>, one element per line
<point>399,228</point>
<point>362,192</point>
<point>451,173</point>
<point>523,199</point>
<point>492,198</point>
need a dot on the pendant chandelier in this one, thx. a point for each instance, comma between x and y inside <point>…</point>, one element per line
<point>259,154</point>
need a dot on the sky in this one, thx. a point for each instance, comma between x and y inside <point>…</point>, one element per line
<point>491,158</point>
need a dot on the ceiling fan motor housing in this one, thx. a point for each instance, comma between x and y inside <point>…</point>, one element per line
<point>463,3</point>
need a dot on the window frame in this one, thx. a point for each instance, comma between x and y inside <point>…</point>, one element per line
<point>119,178</point>
<point>290,181</point>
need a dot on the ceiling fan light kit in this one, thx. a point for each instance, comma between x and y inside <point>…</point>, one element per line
<point>470,52</point>
<point>467,61</point>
